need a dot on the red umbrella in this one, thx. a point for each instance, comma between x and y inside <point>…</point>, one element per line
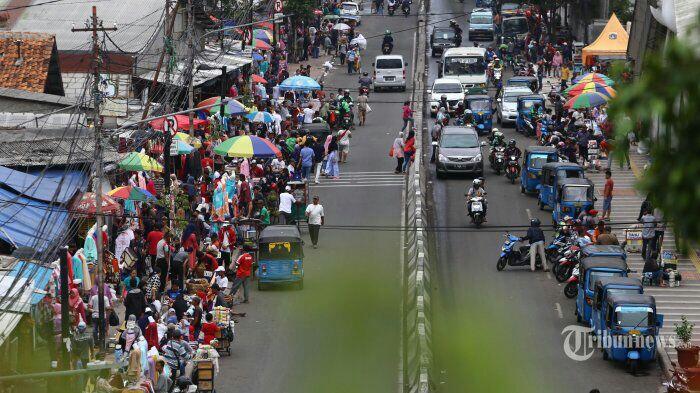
<point>258,79</point>
<point>183,122</point>
<point>264,25</point>
<point>86,204</point>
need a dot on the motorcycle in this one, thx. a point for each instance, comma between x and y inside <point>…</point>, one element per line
<point>346,122</point>
<point>475,207</point>
<point>406,10</point>
<point>529,129</point>
<point>391,8</point>
<point>571,288</point>
<point>498,159</point>
<point>496,76</point>
<point>512,169</point>
<point>512,256</point>
<point>386,48</point>
<point>565,266</point>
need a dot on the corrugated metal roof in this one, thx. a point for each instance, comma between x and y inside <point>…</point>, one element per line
<point>135,19</point>
<point>8,323</point>
<point>54,151</point>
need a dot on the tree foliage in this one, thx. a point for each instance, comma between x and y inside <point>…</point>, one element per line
<point>303,10</point>
<point>624,9</point>
<point>667,93</point>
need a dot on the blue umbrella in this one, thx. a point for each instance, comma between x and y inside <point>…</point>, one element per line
<point>299,82</point>
<point>260,117</point>
<point>183,147</point>
<point>257,56</point>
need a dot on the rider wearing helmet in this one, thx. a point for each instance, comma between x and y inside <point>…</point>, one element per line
<point>458,32</point>
<point>443,103</point>
<point>497,138</point>
<point>459,110</point>
<point>476,190</point>
<point>365,80</point>
<point>490,54</point>
<point>536,237</point>
<point>388,39</point>
<point>512,150</point>
<point>442,116</point>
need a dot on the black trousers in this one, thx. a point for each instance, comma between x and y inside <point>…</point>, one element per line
<point>648,245</point>
<point>313,232</point>
<point>399,164</point>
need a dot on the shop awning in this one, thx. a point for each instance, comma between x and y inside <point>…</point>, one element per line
<point>206,67</point>
<point>30,223</point>
<point>610,44</point>
<point>40,188</point>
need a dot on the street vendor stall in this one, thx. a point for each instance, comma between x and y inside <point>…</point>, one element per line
<point>610,44</point>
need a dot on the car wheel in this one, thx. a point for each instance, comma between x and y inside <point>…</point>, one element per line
<point>439,174</point>
<point>403,88</point>
<point>432,53</point>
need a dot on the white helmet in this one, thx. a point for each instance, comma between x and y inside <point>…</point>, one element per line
<point>495,130</point>
<point>476,183</point>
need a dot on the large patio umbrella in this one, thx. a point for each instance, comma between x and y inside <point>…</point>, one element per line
<point>87,204</point>
<point>183,122</point>
<point>341,26</point>
<point>140,162</point>
<point>260,117</point>
<point>190,140</point>
<point>246,146</point>
<point>232,107</point>
<point>594,77</point>
<point>131,193</point>
<point>299,82</point>
<point>262,34</point>
<point>260,44</point>
<point>586,100</point>
<point>590,87</point>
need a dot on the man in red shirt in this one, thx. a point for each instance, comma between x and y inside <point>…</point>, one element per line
<point>152,239</point>
<point>407,113</point>
<point>607,195</point>
<point>243,272</point>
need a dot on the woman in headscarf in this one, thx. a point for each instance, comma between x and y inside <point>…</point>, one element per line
<point>77,307</point>
<point>332,169</point>
<point>190,242</point>
<point>180,306</point>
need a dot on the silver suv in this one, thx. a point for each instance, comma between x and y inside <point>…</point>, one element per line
<point>459,151</point>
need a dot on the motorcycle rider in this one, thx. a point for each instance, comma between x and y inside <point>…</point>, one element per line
<point>476,190</point>
<point>443,103</point>
<point>458,32</point>
<point>497,138</point>
<point>459,110</point>
<point>442,116</point>
<point>512,150</point>
<point>435,133</point>
<point>391,3</point>
<point>536,237</point>
<point>388,40</point>
<point>490,54</point>
<point>406,5</point>
<point>365,80</point>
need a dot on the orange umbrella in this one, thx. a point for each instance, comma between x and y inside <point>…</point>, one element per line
<point>258,79</point>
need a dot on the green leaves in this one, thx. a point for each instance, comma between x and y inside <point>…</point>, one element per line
<point>661,108</point>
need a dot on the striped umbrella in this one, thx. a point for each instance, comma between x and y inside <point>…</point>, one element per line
<point>233,107</point>
<point>140,162</point>
<point>260,117</point>
<point>190,140</point>
<point>586,100</point>
<point>183,147</point>
<point>260,44</point>
<point>594,77</point>
<point>131,193</point>
<point>246,146</point>
<point>263,35</point>
<point>590,87</point>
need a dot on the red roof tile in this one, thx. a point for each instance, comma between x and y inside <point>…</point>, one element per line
<point>32,72</point>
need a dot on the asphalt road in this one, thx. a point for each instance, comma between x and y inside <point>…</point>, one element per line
<point>528,310</point>
<point>341,332</point>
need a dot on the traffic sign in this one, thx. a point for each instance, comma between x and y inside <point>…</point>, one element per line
<point>278,5</point>
<point>170,125</point>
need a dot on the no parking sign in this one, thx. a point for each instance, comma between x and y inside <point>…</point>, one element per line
<point>278,5</point>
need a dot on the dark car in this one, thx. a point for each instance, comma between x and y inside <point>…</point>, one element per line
<point>459,151</point>
<point>440,39</point>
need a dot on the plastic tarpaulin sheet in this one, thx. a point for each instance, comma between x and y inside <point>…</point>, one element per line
<point>37,274</point>
<point>26,222</point>
<point>39,188</point>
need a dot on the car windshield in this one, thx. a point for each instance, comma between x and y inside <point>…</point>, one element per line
<point>349,7</point>
<point>633,317</point>
<point>480,105</point>
<point>519,82</point>
<point>515,26</point>
<point>459,141</point>
<point>511,97</point>
<point>595,276</point>
<point>537,160</point>
<point>527,104</point>
<point>575,194</point>
<point>445,34</point>
<point>481,20</point>
<point>447,88</point>
<point>570,173</point>
<point>276,251</point>
<point>509,7</point>
<point>389,64</point>
<point>469,65</point>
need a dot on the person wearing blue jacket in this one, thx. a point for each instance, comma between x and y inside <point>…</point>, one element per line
<point>536,237</point>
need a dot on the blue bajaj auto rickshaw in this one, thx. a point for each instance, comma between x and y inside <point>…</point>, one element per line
<point>534,158</point>
<point>552,174</point>
<point>630,328</point>
<point>280,256</point>
<point>590,270</point>
<point>482,110</point>
<point>596,250</point>
<point>573,196</point>
<point>525,123</point>
<point>608,286</point>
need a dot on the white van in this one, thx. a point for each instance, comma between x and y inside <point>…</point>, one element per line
<point>389,71</point>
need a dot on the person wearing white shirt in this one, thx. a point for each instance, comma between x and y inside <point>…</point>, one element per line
<point>277,120</point>
<point>220,278</point>
<point>94,308</point>
<point>309,114</point>
<point>122,242</point>
<point>314,212</point>
<point>286,202</point>
<point>277,165</point>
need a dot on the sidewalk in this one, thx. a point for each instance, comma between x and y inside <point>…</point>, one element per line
<point>671,302</point>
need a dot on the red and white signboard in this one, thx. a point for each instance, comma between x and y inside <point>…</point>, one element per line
<point>278,5</point>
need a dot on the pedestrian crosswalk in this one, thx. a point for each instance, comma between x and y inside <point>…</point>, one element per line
<point>671,302</point>
<point>361,179</point>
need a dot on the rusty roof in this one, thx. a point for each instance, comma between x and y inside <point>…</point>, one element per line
<point>30,70</point>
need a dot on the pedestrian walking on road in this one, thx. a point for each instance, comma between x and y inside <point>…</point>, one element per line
<point>409,149</point>
<point>314,212</point>
<point>244,266</point>
<point>332,169</point>
<point>536,237</point>
<point>607,195</point>
<point>397,151</point>
<point>307,155</point>
<point>344,145</point>
<point>362,108</point>
<point>407,114</point>
<point>285,206</point>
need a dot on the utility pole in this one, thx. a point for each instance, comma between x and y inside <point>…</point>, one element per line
<point>96,25</point>
<point>222,108</point>
<point>190,45</point>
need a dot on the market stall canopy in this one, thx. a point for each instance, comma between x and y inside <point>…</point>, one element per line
<point>300,82</point>
<point>140,162</point>
<point>87,204</point>
<point>131,193</point>
<point>40,188</point>
<point>610,44</point>
<point>183,122</point>
<point>246,146</point>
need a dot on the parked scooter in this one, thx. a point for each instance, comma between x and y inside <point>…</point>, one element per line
<point>571,288</point>
<point>515,256</point>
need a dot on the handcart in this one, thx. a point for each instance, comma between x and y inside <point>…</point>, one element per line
<point>222,318</point>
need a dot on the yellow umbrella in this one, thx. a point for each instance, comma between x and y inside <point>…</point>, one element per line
<point>140,162</point>
<point>195,142</point>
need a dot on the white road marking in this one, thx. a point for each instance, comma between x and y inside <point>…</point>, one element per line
<point>359,185</point>
<point>560,313</point>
